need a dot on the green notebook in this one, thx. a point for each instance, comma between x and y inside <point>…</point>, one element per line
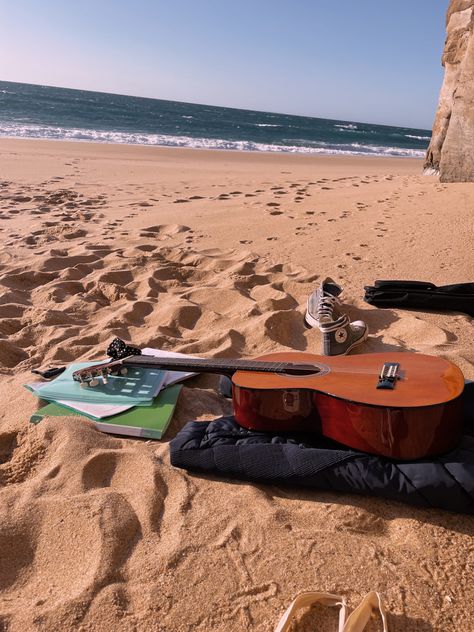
<point>148,422</point>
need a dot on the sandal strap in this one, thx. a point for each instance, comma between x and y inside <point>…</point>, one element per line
<point>356,621</point>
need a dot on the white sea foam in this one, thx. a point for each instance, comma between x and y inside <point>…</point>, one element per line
<point>418,137</point>
<point>346,126</point>
<point>266,125</point>
<point>17,130</point>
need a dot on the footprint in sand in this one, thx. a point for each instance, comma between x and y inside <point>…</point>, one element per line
<point>357,520</point>
<point>11,354</point>
<point>56,263</point>
<point>164,230</point>
<point>146,247</point>
<point>286,328</point>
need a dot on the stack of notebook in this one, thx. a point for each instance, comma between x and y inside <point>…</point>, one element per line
<point>139,405</point>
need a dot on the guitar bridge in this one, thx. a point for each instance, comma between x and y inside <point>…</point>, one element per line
<point>388,375</point>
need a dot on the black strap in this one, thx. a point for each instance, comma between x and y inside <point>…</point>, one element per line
<point>118,349</point>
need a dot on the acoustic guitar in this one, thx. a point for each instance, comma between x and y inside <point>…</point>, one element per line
<point>397,404</point>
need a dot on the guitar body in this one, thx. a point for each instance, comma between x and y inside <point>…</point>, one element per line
<point>397,404</point>
<point>421,416</point>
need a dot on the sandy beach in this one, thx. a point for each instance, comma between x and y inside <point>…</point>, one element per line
<point>210,253</point>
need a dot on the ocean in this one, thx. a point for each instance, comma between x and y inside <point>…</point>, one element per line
<point>33,111</point>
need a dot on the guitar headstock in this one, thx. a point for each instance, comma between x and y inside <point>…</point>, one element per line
<point>92,375</point>
<point>118,351</point>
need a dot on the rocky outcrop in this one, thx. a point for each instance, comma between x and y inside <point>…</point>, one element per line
<point>451,151</point>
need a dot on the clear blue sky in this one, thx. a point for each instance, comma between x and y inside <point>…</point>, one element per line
<point>363,60</point>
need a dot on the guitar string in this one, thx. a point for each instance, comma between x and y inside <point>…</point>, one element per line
<point>320,369</point>
<point>274,370</point>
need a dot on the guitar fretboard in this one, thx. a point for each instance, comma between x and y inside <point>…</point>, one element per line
<point>219,365</point>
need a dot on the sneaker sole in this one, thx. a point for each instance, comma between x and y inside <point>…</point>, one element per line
<point>310,321</point>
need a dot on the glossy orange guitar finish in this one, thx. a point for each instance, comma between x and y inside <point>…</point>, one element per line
<point>420,417</point>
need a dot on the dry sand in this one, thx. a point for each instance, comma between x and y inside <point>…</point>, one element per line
<point>210,253</point>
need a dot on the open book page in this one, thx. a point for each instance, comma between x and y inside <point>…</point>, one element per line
<point>171,376</point>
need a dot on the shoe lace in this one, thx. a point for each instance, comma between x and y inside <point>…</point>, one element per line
<point>325,308</point>
<point>326,304</point>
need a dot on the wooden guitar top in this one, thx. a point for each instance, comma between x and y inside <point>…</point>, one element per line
<point>424,380</point>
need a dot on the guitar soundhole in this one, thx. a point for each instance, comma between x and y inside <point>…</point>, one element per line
<point>316,370</point>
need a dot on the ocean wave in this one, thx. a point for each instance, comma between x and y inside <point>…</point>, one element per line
<point>266,125</point>
<point>418,137</point>
<point>346,126</point>
<point>104,136</point>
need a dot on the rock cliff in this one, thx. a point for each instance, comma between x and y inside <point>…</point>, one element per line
<point>451,151</point>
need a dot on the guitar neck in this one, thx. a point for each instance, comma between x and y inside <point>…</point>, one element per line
<point>213,365</point>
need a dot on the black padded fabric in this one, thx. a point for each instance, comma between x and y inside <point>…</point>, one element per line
<point>458,297</point>
<point>223,447</point>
